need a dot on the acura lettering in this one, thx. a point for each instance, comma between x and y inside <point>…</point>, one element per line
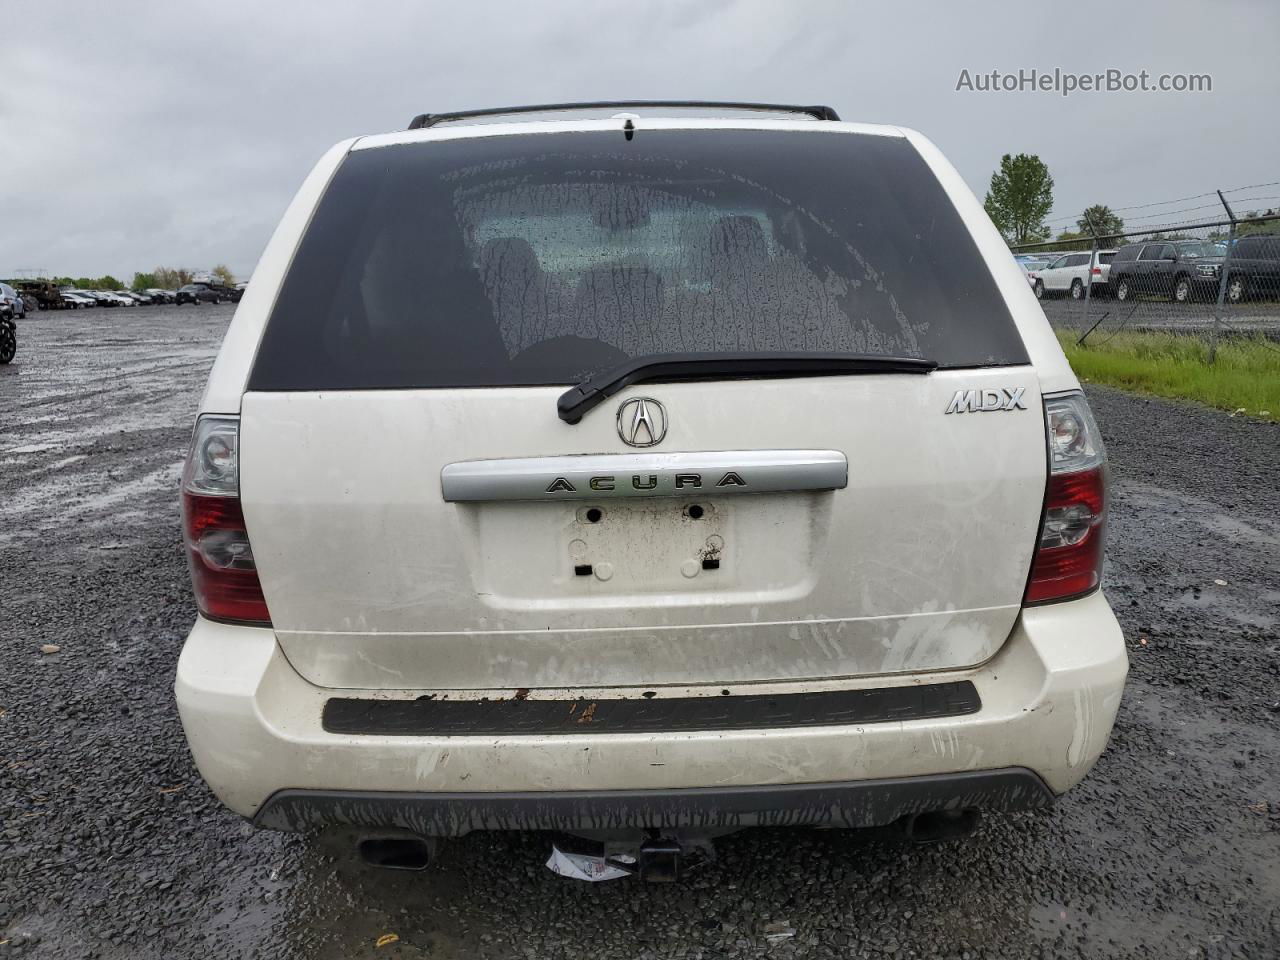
<point>649,483</point>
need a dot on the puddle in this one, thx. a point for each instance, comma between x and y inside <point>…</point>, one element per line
<point>1219,602</point>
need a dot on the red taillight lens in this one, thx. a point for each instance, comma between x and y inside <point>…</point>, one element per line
<point>223,573</point>
<point>1068,559</point>
<point>1097,271</point>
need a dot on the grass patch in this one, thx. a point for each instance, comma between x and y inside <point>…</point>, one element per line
<point>1245,376</point>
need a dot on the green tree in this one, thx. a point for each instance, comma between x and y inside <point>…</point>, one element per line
<point>1020,197</point>
<point>223,275</point>
<point>1248,226</point>
<point>108,282</point>
<point>1073,240</point>
<point>1100,218</point>
<point>171,278</point>
<point>143,281</point>
<point>85,283</point>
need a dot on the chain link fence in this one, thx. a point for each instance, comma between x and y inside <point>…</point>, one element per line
<point>1213,279</point>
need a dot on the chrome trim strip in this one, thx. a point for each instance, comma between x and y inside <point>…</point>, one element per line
<point>601,476</point>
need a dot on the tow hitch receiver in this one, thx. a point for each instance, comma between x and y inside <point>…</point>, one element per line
<point>654,858</point>
<point>659,860</point>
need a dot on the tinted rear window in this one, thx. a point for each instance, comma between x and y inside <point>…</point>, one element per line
<point>544,258</point>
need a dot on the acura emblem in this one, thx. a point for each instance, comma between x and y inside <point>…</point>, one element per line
<point>642,422</point>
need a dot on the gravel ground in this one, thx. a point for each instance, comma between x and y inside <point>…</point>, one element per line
<point>111,846</point>
<point>1151,313</point>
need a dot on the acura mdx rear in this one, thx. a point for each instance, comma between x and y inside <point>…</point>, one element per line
<point>643,476</point>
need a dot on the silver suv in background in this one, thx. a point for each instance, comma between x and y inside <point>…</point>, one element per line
<point>642,474</point>
<point>11,302</point>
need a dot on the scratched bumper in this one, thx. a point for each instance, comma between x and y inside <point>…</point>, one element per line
<point>1048,701</point>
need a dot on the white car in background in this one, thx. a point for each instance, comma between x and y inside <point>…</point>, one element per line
<point>1069,273</point>
<point>79,298</point>
<point>108,298</point>
<point>631,529</point>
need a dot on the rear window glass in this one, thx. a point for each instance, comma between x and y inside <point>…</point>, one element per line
<point>545,258</point>
<point>1106,257</point>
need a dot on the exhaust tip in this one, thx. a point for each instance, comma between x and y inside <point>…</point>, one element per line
<point>395,852</point>
<point>934,826</point>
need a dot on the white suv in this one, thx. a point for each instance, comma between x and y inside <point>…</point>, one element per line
<point>642,477</point>
<point>1069,273</point>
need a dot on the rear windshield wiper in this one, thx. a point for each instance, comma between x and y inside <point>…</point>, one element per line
<point>579,399</point>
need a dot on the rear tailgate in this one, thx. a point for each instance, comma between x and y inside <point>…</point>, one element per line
<point>447,291</point>
<point>374,580</point>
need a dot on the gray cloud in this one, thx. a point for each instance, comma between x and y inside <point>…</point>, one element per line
<point>166,134</point>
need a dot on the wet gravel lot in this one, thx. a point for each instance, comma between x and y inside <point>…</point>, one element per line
<point>111,846</point>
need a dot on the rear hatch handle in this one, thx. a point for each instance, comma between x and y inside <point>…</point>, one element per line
<point>578,400</point>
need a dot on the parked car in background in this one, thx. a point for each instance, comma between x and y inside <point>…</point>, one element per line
<point>1069,273</point>
<point>17,305</point>
<point>8,333</point>
<point>138,298</point>
<point>1162,268</point>
<point>77,299</point>
<point>1254,269</point>
<point>160,296</point>
<point>197,293</point>
<point>1030,268</point>
<point>401,650</point>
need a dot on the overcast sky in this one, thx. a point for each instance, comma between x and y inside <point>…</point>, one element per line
<point>175,133</point>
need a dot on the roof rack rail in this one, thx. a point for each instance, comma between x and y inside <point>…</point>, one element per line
<point>816,111</point>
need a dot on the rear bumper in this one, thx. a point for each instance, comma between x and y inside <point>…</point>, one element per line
<point>1048,701</point>
<point>861,803</point>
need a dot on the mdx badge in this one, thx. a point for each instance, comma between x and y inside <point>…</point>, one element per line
<point>642,422</point>
<point>984,401</point>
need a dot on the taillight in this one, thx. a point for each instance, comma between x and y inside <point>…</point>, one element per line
<point>1097,271</point>
<point>223,574</point>
<point>1068,559</point>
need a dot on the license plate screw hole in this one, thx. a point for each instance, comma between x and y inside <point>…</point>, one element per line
<point>582,570</point>
<point>695,511</point>
<point>594,515</point>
